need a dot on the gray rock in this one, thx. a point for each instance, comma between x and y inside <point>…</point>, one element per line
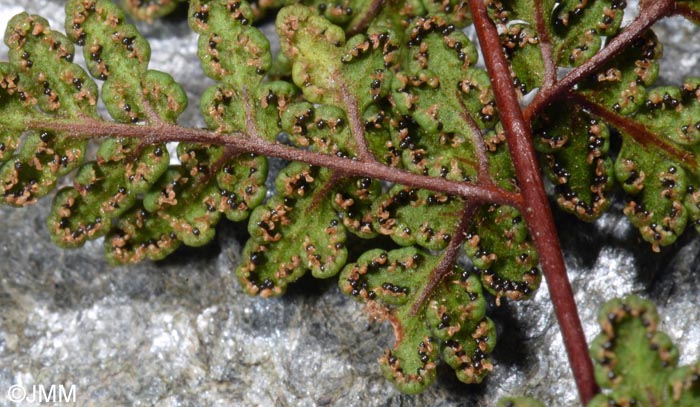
<point>181,332</point>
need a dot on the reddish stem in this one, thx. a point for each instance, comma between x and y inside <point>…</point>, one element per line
<point>357,128</point>
<point>369,15</point>
<point>324,190</point>
<point>241,143</point>
<point>687,12</point>
<point>648,16</point>
<point>536,211</point>
<point>550,69</point>
<point>449,257</point>
<point>228,154</point>
<point>478,140</point>
<point>249,119</point>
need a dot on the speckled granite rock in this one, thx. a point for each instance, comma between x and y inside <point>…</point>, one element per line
<point>181,332</point>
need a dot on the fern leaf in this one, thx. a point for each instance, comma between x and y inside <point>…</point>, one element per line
<point>420,217</point>
<point>655,166</point>
<point>40,82</point>
<point>389,283</point>
<point>660,182</point>
<point>574,29</point>
<point>116,53</point>
<point>350,75</point>
<point>635,361</point>
<point>449,99</point>
<point>237,55</point>
<point>575,154</point>
<point>503,253</point>
<point>621,84</point>
<point>285,243</point>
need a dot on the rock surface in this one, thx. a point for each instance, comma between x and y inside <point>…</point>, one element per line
<point>181,332</point>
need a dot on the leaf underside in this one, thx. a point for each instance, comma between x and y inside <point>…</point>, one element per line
<point>395,82</point>
<point>635,363</point>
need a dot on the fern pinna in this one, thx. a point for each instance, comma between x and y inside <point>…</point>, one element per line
<point>390,127</point>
